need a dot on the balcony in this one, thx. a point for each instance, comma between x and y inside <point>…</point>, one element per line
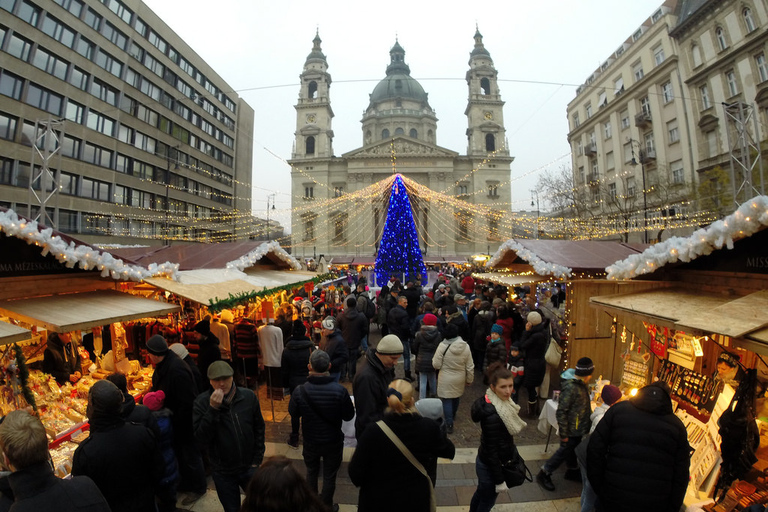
<point>593,178</point>
<point>643,119</point>
<point>590,149</point>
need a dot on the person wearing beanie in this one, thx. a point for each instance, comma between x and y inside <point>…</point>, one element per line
<point>495,350</point>
<point>173,377</point>
<point>227,422</point>
<point>166,490</point>
<point>400,325</point>
<point>424,346</point>
<point>354,327</point>
<point>332,342</point>
<point>533,342</point>
<point>320,406</point>
<point>117,452</point>
<point>181,351</point>
<point>294,361</point>
<point>453,359</point>
<point>658,467</point>
<point>370,385</point>
<point>209,350</point>
<point>573,423</point>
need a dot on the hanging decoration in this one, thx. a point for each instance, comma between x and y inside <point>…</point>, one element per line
<point>399,252</point>
<point>84,256</point>
<point>255,255</point>
<point>540,266</point>
<point>747,220</point>
<point>215,305</point>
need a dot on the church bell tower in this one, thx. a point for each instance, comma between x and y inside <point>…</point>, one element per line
<point>314,134</point>
<point>485,114</point>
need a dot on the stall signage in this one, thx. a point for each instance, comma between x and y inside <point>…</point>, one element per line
<point>18,258</point>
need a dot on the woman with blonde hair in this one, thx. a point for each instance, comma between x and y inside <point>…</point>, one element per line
<point>399,452</point>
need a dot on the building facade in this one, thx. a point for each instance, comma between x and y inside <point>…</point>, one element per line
<point>399,130</point>
<point>141,138</point>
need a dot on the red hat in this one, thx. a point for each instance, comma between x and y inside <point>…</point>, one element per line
<point>430,319</point>
<point>154,400</point>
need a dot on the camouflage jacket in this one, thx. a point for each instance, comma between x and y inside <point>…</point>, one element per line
<point>574,409</point>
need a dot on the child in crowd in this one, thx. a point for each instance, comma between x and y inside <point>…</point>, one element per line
<point>166,490</point>
<point>495,350</point>
<point>515,363</point>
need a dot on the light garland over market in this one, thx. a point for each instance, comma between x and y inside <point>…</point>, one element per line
<point>749,218</point>
<point>540,266</point>
<point>255,255</point>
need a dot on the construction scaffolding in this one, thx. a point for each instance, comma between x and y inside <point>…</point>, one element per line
<point>743,151</point>
<point>44,178</point>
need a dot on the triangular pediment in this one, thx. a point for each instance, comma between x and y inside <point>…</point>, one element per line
<point>403,146</point>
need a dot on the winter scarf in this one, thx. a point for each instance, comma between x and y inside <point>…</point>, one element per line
<point>507,411</point>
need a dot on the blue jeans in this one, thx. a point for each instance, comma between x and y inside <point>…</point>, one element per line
<point>485,496</point>
<point>424,379</point>
<point>331,455</point>
<point>565,453</point>
<point>228,488</point>
<point>450,406</point>
<point>364,343</point>
<point>406,355</point>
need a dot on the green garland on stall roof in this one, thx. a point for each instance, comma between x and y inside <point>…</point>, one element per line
<point>21,363</point>
<point>215,305</point>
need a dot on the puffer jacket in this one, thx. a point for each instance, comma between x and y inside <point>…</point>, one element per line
<point>36,488</point>
<point>534,342</point>
<point>639,445</point>
<point>354,326</point>
<point>399,323</point>
<point>336,348</point>
<point>294,361</point>
<point>481,329</point>
<point>328,397</point>
<point>233,434</point>
<point>496,443</point>
<point>495,351</point>
<point>424,346</point>
<point>454,360</point>
<point>573,408</point>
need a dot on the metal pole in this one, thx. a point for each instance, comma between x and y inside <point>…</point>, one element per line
<point>645,199</point>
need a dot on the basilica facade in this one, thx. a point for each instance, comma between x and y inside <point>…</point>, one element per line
<point>399,130</point>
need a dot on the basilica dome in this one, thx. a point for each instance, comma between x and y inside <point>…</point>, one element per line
<point>398,84</point>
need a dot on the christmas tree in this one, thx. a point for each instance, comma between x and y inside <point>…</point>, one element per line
<point>399,253</point>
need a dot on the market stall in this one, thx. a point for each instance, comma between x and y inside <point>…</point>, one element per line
<point>693,312</point>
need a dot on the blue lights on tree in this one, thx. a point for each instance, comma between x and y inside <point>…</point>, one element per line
<point>399,253</point>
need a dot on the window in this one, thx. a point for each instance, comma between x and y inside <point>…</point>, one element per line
<point>628,153</point>
<point>44,99</point>
<point>657,15</point>
<point>711,137</point>
<point>50,63</point>
<point>147,115</point>
<point>625,122</point>
<point>490,142</point>
<point>113,34</point>
<point>588,110</point>
<point>100,123</point>
<point>576,120</point>
<point>122,163</point>
<point>19,47</point>
<point>637,70</point>
<point>78,78</point>
<point>631,186</point>
<point>704,93</point>
<point>11,85</point>
<point>154,65</point>
<point>85,48</point>
<point>595,170</point>
<point>309,192</point>
<point>385,134</point>
<point>672,130</point>
<point>602,100</point>
<point>29,12</point>
<point>493,190</point>
<point>94,189</point>
<point>144,142</point>
<point>645,105</point>
<point>666,92</point>
<point>145,171</point>
<point>618,86</point>
<point>696,55</point>
<point>8,127</point>
<point>399,131</point>
<point>462,190</point>
<point>73,6</point>
<point>581,174</point>
<point>722,44</point>
<point>733,87</point>
<point>109,63</point>
<point>58,31</point>
<point>338,191</point>
<point>609,161</point>
<point>637,34</point>
<point>157,41</point>
<point>117,7</point>
<point>677,172</point>
<point>658,55</point>
<point>75,112</point>
<point>8,5</point>
<point>579,148</point>
<point>607,131</point>
<point>97,155</point>
<point>762,67</point>
<point>150,89</point>
<point>92,19</point>
<point>104,92</point>
<point>749,20</point>
<point>71,147</point>
<point>612,191</point>
<point>649,145</point>
<point>121,194</point>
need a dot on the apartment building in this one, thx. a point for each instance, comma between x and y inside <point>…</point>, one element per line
<point>143,140</point>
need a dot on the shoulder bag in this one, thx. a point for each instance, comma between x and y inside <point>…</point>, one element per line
<point>413,460</point>
<point>554,350</point>
<point>515,472</point>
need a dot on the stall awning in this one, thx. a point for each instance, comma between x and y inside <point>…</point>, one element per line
<point>75,311</point>
<point>10,333</point>
<point>694,311</point>
<point>508,280</point>
<point>205,285</point>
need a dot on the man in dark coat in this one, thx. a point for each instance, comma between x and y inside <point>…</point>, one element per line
<point>174,377</point>
<point>122,458</point>
<point>321,405</point>
<point>181,351</point>
<point>414,296</point>
<point>372,379</point>
<point>209,346</point>
<point>333,344</point>
<point>295,359</point>
<point>400,325</point>
<point>61,358</point>
<point>638,455</point>
<point>354,327</point>
<point>129,410</point>
<point>228,422</point>
<point>25,451</point>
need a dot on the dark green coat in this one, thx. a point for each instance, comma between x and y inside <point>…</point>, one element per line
<point>573,409</point>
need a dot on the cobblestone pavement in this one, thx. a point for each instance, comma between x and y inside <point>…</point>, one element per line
<point>456,480</point>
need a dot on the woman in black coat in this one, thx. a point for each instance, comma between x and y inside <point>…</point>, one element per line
<point>499,421</point>
<point>387,480</point>
<point>534,343</point>
<point>294,362</point>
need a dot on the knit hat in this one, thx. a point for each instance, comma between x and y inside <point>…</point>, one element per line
<point>157,345</point>
<point>611,394</point>
<point>429,319</point>
<point>320,361</point>
<point>203,327</point>
<point>329,323</point>
<point>585,367</point>
<point>154,400</point>
<point>497,329</point>
<point>179,349</point>
<point>227,316</point>
<point>220,370</point>
<point>441,286</point>
<point>105,398</point>
<point>390,345</point>
<point>458,297</point>
<point>534,318</point>
<point>299,329</point>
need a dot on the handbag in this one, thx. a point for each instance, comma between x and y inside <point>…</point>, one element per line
<point>413,460</point>
<point>515,472</point>
<point>554,350</point>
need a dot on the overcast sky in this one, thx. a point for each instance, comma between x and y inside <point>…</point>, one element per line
<point>541,50</point>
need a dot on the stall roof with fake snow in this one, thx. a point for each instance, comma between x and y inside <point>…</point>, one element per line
<point>561,258</point>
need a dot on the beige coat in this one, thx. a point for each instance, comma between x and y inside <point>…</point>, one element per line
<point>453,359</point>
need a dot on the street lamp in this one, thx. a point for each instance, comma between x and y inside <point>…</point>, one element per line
<point>633,162</point>
<point>536,193</point>
<point>270,196</point>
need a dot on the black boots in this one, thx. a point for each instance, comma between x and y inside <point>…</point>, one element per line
<point>545,480</point>
<point>533,409</point>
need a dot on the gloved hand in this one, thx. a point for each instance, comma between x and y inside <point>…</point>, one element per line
<point>502,487</point>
